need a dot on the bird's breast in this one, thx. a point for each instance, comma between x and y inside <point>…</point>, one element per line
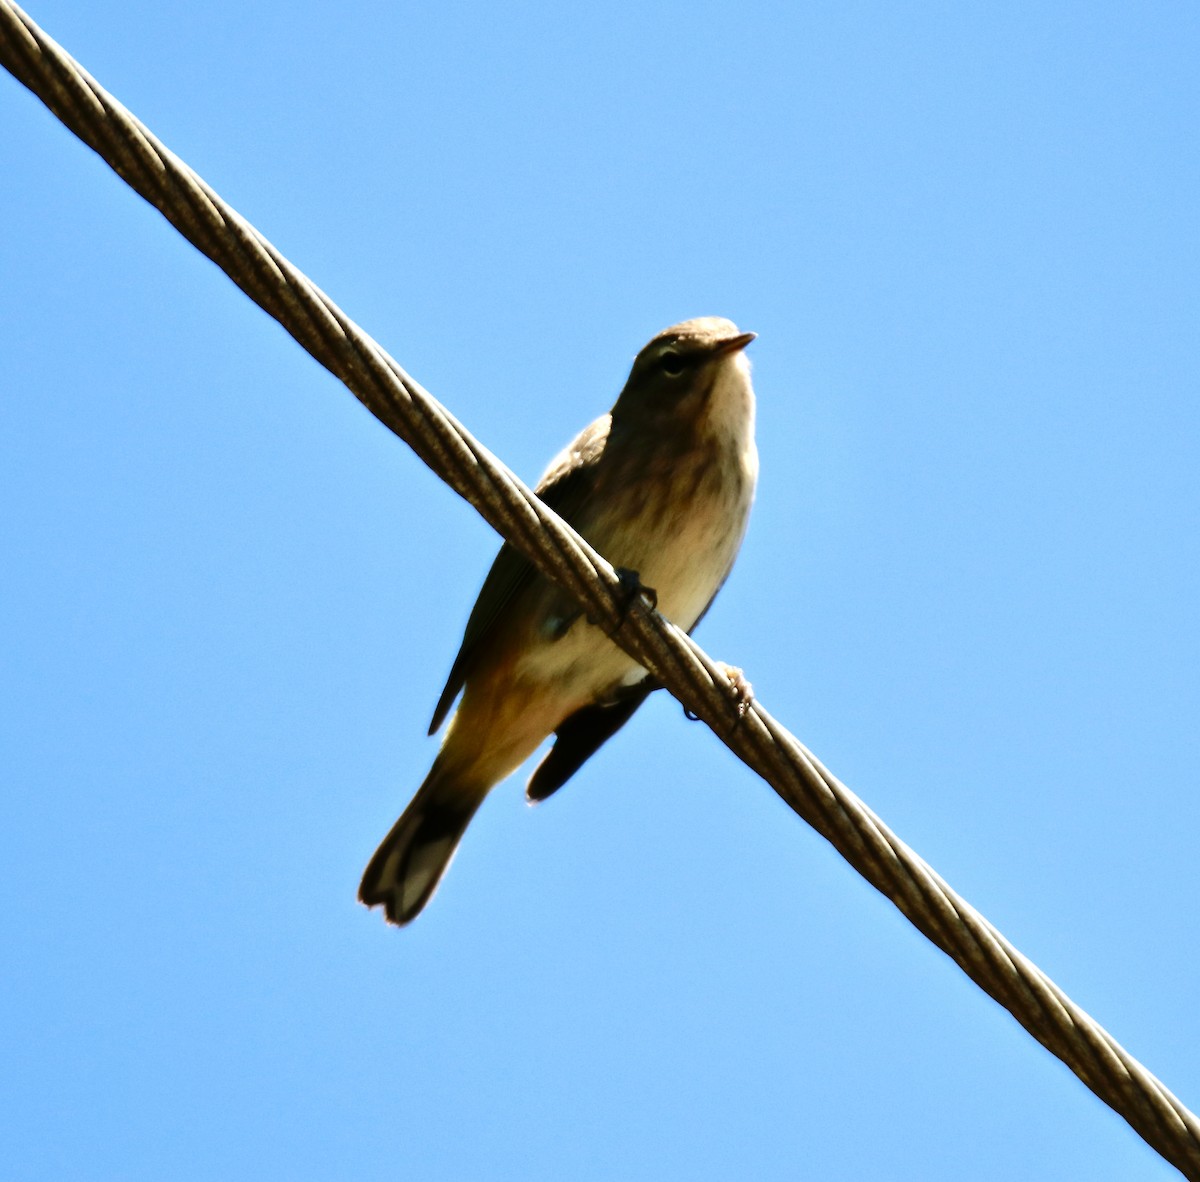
<point>679,527</point>
<point>676,518</point>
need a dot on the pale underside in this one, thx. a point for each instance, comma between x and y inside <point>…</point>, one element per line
<point>680,534</point>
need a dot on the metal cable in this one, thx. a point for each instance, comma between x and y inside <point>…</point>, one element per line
<point>701,685</point>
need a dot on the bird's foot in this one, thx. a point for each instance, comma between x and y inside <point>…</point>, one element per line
<point>742,688</point>
<point>743,692</point>
<point>630,587</point>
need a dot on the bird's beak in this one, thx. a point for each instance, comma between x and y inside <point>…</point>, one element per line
<point>735,344</point>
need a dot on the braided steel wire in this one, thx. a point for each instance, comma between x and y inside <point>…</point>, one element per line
<point>701,685</point>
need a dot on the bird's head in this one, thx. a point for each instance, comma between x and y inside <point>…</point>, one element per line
<point>692,372</point>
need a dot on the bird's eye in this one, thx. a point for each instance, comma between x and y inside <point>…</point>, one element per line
<point>672,363</point>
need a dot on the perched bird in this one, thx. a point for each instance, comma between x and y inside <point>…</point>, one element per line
<point>662,487</point>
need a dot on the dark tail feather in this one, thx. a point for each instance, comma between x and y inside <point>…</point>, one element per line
<point>408,865</point>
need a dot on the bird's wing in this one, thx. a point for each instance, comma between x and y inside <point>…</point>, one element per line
<point>564,488</point>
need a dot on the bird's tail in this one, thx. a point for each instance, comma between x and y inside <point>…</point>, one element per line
<point>408,865</point>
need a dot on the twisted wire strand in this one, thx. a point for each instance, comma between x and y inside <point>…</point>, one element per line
<point>699,683</point>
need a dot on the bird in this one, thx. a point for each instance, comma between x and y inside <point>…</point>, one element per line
<point>662,486</point>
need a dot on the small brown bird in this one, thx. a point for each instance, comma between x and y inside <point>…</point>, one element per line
<point>662,487</point>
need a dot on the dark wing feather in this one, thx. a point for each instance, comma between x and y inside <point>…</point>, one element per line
<point>579,737</point>
<point>564,488</point>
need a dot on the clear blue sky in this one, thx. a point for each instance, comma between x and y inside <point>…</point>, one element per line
<point>968,238</point>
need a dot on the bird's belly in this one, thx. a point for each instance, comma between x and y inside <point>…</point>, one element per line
<point>682,552</point>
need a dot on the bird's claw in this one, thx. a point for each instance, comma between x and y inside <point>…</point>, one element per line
<point>743,691</point>
<point>630,588</point>
<point>742,688</point>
